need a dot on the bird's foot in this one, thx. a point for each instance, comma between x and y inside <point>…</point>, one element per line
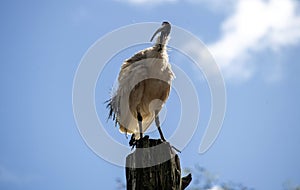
<point>132,141</point>
<point>177,150</point>
<point>140,141</point>
<point>162,138</point>
<point>137,142</point>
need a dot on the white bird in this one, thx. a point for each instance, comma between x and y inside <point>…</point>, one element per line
<point>144,84</point>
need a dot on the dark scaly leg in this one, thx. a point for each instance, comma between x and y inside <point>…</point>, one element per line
<point>160,131</point>
<point>133,142</point>
<point>140,119</point>
<point>158,126</point>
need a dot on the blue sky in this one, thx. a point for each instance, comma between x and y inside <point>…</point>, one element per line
<point>255,43</point>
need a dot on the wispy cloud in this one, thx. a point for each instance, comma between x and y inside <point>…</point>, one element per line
<point>8,176</point>
<point>215,5</point>
<point>249,29</point>
<point>147,2</point>
<point>253,27</point>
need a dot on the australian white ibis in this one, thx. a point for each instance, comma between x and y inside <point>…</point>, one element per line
<point>144,84</point>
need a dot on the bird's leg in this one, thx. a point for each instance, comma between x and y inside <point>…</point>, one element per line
<point>140,119</point>
<point>132,141</point>
<point>160,131</point>
<point>158,126</point>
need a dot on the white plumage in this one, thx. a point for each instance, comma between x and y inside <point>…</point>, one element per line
<point>144,86</point>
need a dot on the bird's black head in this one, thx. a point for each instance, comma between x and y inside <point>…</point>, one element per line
<point>165,30</point>
<point>165,22</point>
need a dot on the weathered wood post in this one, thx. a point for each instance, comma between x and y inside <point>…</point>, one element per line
<point>154,166</point>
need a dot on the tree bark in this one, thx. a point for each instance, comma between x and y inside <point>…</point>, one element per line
<point>154,166</point>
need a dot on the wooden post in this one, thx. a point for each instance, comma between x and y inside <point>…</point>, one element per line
<point>154,166</point>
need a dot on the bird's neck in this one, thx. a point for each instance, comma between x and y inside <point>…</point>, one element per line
<point>160,47</point>
<point>161,43</point>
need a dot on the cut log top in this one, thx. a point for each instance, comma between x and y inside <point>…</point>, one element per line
<point>147,143</point>
<point>154,165</point>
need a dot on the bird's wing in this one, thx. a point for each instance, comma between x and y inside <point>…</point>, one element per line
<point>131,73</point>
<point>125,74</point>
<point>135,58</point>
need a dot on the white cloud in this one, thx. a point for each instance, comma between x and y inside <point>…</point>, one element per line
<point>215,5</point>
<point>250,28</point>
<point>255,25</point>
<point>147,2</point>
<point>216,188</point>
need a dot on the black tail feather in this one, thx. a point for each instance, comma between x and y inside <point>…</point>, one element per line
<point>111,113</point>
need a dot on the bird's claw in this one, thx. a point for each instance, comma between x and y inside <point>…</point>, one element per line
<point>137,142</point>
<point>177,150</point>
